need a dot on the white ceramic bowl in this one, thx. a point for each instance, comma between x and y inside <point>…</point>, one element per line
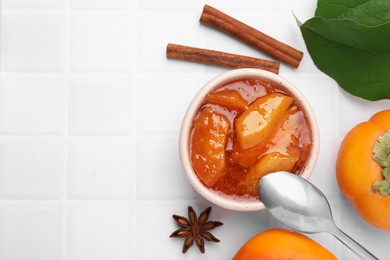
<point>235,202</point>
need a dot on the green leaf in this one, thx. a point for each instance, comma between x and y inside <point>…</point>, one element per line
<point>352,45</point>
<point>334,8</point>
<point>364,12</point>
<point>351,34</point>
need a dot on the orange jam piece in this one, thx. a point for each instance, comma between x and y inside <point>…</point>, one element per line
<point>229,99</point>
<point>208,146</point>
<point>255,125</point>
<point>269,163</point>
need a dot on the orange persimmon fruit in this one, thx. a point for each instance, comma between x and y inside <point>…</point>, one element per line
<point>357,171</point>
<point>281,244</point>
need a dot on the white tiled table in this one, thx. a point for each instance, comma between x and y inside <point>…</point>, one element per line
<point>90,111</point>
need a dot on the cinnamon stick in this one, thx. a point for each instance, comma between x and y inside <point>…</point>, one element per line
<point>218,58</point>
<point>221,21</point>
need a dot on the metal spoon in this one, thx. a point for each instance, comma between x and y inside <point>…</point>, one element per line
<point>303,207</point>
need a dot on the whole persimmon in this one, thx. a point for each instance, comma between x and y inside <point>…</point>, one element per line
<point>363,169</point>
<point>281,244</point>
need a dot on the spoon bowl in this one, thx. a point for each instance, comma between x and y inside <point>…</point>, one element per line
<point>300,205</point>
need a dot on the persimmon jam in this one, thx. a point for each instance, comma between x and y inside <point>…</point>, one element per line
<point>244,130</point>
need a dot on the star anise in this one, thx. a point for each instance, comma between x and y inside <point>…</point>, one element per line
<point>195,229</point>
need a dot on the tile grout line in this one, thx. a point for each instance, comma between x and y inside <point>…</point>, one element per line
<point>73,202</point>
<point>64,235</point>
<point>133,198</point>
<point>1,38</point>
<point>134,133</point>
<point>338,247</point>
<point>337,112</point>
<point>59,10</point>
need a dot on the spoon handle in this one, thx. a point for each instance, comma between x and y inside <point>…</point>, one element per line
<point>353,245</point>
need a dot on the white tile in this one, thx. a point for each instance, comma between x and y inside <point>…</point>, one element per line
<point>36,4</point>
<point>31,169</point>
<point>227,6</point>
<point>251,223</point>
<point>306,66</point>
<point>102,42</point>
<point>346,253</point>
<point>324,174</point>
<point>167,248</point>
<point>30,233</point>
<point>154,37</point>
<point>293,6</point>
<point>329,242</point>
<point>162,102</point>
<point>159,172</point>
<point>286,30</point>
<point>320,92</point>
<point>101,4</point>
<point>100,170</point>
<point>33,42</point>
<point>100,232</point>
<point>354,110</point>
<point>31,106</point>
<point>375,240</point>
<point>231,6</point>
<point>175,5</point>
<point>100,106</point>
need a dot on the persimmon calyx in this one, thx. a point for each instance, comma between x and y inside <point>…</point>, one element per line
<point>382,157</point>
